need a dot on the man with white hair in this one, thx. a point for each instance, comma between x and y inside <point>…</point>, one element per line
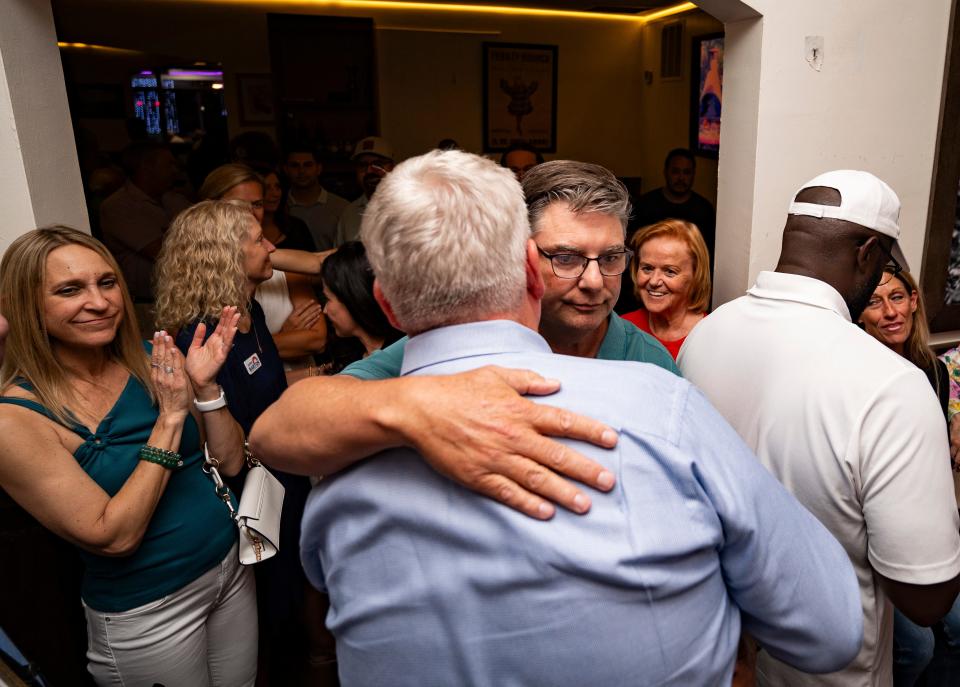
<point>474,428</point>
<point>849,426</point>
<point>576,209</point>
<point>430,583</point>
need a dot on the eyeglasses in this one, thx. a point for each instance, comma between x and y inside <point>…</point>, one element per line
<point>892,268</point>
<point>573,265</point>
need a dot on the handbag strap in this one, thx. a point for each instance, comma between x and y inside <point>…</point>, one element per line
<point>248,456</point>
<point>210,465</point>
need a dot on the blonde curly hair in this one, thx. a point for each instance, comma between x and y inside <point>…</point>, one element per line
<point>200,266</point>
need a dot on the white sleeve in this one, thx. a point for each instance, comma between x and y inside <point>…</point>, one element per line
<point>907,486</point>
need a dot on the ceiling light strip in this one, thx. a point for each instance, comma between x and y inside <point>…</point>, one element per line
<point>407,5</point>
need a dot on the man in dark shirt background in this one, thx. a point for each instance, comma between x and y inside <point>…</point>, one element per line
<point>676,199</point>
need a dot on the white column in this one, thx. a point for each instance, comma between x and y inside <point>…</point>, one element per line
<point>39,172</point>
<point>872,103</point>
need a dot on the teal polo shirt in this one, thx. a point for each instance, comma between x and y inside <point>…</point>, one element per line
<point>623,341</point>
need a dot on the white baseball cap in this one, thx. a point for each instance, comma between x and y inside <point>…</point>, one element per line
<point>864,200</point>
<point>373,145</point>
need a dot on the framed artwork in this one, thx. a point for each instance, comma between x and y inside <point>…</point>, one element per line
<point>519,96</point>
<point>706,94</point>
<point>255,97</point>
<point>941,253</point>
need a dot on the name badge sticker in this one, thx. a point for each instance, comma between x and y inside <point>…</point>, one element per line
<point>252,364</point>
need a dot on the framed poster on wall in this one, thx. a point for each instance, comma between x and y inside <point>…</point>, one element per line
<point>255,97</point>
<point>941,253</point>
<point>706,100</point>
<point>519,96</point>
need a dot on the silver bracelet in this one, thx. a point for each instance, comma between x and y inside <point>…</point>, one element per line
<point>215,404</point>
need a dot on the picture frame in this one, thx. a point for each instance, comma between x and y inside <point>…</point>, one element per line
<point>519,96</point>
<point>706,94</point>
<point>940,265</point>
<point>255,99</point>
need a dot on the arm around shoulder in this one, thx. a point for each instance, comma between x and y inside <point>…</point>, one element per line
<point>475,428</point>
<point>321,425</point>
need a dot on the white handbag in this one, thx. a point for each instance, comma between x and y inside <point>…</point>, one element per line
<point>258,513</point>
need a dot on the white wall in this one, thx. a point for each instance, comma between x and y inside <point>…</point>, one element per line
<point>38,160</point>
<point>18,211</point>
<point>874,105</point>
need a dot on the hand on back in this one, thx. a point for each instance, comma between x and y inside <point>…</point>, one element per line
<point>477,429</point>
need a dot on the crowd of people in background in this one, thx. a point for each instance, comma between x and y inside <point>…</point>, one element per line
<point>766,498</point>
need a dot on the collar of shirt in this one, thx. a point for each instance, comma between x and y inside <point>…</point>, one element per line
<point>468,340</point>
<point>614,342</point>
<point>321,199</point>
<point>794,287</point>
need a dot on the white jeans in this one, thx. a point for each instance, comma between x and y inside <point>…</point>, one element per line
<point>203,634</point>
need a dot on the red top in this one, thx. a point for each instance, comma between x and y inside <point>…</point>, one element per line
<point>639,318</point>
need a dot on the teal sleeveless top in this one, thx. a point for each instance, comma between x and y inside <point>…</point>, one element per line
<point>190,531</point>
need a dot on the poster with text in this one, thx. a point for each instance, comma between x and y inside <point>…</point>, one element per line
<point>520,96</point>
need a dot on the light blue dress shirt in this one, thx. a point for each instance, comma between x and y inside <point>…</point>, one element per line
<point>431,584</point>
<point>623,341</point>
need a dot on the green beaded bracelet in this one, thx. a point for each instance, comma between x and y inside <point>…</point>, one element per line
<point>161,456</point>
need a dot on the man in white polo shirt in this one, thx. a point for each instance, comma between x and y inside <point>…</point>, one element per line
<point>851,428</point>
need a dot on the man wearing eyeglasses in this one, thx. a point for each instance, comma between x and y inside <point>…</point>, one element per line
<point>578,213</point>
<point>851,428</point>
<point>579,232</point>
<point>474,427</point>
<point>431,584</point>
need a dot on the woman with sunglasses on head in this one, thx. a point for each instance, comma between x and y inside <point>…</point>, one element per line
<point>896,317</point>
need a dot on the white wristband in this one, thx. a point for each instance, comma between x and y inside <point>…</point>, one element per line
<point>215,404</point>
